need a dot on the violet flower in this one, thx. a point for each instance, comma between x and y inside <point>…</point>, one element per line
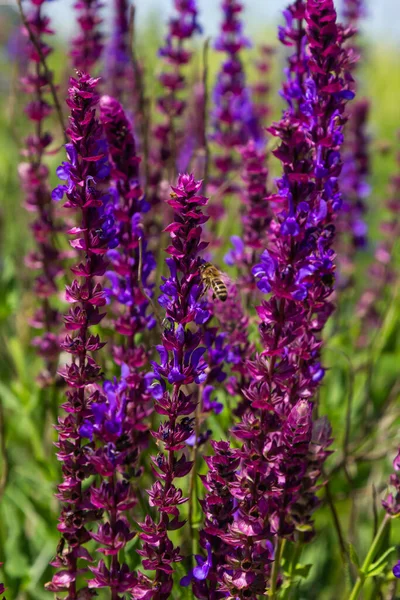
<point>282,450</point>
<point>193,149</point>
<point>234,322</point>
<point>262,88</point>
<point>255,217</point>
<point>46,258</point>
<point>128,210</point>
<point>181,364</point>
<point>119,74</point>
<point>382,273</point>
<point>355,175</point>
<point>117,432</point>
<point>233,120</point>
<point>83,174</point>
<point>182,27</point>
<point>218,507</point>
<point>353,11</point>
<point>87,45</point>
<point>354,183</point>
<point>391,503</point>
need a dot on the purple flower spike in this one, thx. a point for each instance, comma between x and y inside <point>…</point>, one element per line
<point>281,448</point>
<point>383,272</point>
<point>87,45</point>
<point>256,216</point>
<point>354,10</point>
<point>129,206</point>
<point>262,88</point>
<point>46,259</point>
<point>181,364</point>
<point>354,181</point>
<point>91,238</point>
<point>118,437</point>
<point>234,119</point>
<point>392,502</point>
<point>182,27</point>
<point>119,73</point>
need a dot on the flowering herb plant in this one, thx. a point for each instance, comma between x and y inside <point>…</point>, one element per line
<point>213,388</point>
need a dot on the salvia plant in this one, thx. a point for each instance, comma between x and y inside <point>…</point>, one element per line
<point>209,384</point>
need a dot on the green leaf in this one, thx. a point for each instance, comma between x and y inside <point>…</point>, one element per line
<point>353,556</point>
<point>302,571</point>
<point>380,565</point>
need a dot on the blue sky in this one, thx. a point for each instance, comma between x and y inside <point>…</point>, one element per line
<point>383,15</point>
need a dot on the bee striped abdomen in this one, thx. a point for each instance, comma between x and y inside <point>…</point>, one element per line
<point>211,278</point>
<point>219,289</point>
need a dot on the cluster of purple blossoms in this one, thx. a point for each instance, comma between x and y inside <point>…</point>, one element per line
<point>87,45</point>
<point>46,258</point>
<point>261,483</point>
<point>182,27</point>
<point>255,216</point>
<point>128,262</point>
<point>283,452</point>
<point>353,11</point>
<point>128,208</point>
<point>169,135</point>
<point>234,322</point>
<point>382,273</point>
<point>262,88</point>
<point>119,75</point>
<point>117,435</point>
<point>181,365</point>
<point>355,174</point>
<point>391,503</point>
<point>83,174</point>
<point>233,118</point>
<point>354,184</point>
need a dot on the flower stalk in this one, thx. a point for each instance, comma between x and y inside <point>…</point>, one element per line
<point>179,369</point>
<point>34,175</point>
<point>83,173</point>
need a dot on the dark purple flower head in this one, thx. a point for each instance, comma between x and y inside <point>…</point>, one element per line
<point>354,10</point>
<point>129,206</point>
<point>172,104</point>
<point>281,449</point>
<point>396,570</point>
<point>87,45</point>
<point>392,502</point>
<point>234,119</point>
<point>119,73</point>
<point>201,571</point>
<point>181,363</point>
<point>261,88</point>
<point>2,588</point>
<point>45,258</point>
<point>382,272</point>
<point>256,216</point>
<point>84,196</point>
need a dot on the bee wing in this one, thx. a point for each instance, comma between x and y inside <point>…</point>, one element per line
<point>228,281</point>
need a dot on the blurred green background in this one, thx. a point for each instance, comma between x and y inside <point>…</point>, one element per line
<point>28,468</point>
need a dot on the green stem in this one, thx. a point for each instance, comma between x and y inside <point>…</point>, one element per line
<point>275,568</point>
<point>369,558</point>
<point>298,549</point>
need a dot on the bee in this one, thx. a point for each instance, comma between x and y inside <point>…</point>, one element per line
<point>212,278</point>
